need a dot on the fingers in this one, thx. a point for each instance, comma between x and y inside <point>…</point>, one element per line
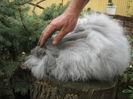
<point>59,36</point>
<point>65,23</point>
<point>46,34</point>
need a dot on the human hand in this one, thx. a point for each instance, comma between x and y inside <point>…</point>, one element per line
<point>64,23</point>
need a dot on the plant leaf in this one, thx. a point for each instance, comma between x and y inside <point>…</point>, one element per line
<point>130,87</point>
<point>127,91</point>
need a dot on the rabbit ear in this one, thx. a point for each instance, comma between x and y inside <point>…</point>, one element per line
<point>78,33</point>
<point>50,48</point>
<point>75,36</point>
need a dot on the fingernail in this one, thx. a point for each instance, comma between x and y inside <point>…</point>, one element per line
<point>54,42</point>
<point>38,44</point>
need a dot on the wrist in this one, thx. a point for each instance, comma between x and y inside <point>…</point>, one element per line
<point>71,13</point>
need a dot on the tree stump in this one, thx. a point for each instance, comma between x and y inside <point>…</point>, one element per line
<point>55,89</point>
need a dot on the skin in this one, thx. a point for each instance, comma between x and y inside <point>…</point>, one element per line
<point>64,23</point>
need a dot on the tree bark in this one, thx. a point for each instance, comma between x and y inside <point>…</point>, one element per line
<point>55,89</point>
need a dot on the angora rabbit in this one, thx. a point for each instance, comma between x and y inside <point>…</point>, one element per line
<point>96,49</point>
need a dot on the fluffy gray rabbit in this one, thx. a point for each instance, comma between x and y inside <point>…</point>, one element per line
<point>96,49</point>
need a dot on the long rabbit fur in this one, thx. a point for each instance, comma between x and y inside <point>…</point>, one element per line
<point>96,49</point>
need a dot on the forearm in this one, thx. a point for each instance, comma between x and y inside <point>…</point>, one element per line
<point>76,6</point>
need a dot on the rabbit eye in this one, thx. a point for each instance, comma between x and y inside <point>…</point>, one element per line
<point>41,54</point>
<point>44,53</point>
